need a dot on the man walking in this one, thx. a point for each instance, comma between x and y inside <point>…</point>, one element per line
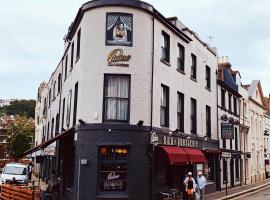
<point>201,185</point>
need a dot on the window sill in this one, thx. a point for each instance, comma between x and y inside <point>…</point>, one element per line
<point>195,80</point>
<point>181,71</point>
<point>208,89</point>
<point>165,62</point>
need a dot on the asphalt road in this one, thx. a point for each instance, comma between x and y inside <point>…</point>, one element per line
<point>259,195</point>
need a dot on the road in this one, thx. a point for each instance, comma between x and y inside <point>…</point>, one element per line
<point>263,194</point>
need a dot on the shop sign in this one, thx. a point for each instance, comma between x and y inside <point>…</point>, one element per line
<point>236,155</point>
<point>226,155</point>
<point>227,131</point>
<point>180,142</point>
<point>117,58</point>
<point>153,138</point>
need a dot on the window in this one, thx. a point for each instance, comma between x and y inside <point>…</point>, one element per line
<point>113,164</point>
<point>181,58</point>
<point>230,102</point>
<point>223,101</point>
<point>59,83</point>
<point>63,113</point>
<point>193,116</point>
<point>68,108</point>
<point>57,123</point>
<point>180,111</point>
<point>164,106</point>
<point>50,97</point>
<point>225,171</point>
<point>66,64</point>
<point>52,130</point>
<point>236,138</point>
<point>231,144</point>
<point>194,67</point>
<point>208,77</point>
<point>78,44</point>
<point>72,55</point>
<point>224,143</point>
<point>237,169</point>
<point>75,105</point>
<point>165,47</point>
<point>235,105</point>
<point>208,121</point>
<point>116,98</point>
<point>45,107</point>
<point>48,130</point>
<point>54,85</point>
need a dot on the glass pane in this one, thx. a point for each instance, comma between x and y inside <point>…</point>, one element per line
<point>122,109</point>
<point>110,108</point>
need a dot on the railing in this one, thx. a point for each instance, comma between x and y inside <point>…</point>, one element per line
<point>16,192</point>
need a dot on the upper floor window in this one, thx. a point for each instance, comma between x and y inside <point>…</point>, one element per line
<point>68,108</point>
<point>54,85</point>
<point>50,97</point>
<point>116,98</point>
<point>181,58</point>
<point>208,77</point>
<point>59,83</point>
<point>236,138</point>
<point>71,56</point>
<point>164,106</point>
<point>193,67</point>
<point>75,104</point>
<point>235,105</point>
<point>223,100</point>
<point>208,121</point>
<point>78,44</point>
<point>180,111</point>
<point>193,116</point>
<point>165,47</point>
<point>66,65</point>
<point>230,101</point>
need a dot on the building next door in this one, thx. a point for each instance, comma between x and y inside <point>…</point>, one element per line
<point>232,172</point>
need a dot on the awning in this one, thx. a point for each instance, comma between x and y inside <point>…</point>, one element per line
<point>171,155</point>
<point>48,142</point>
<point>179,155</point>
<point>195,156</point>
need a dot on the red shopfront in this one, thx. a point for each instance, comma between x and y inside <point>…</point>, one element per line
<point>172,163</point>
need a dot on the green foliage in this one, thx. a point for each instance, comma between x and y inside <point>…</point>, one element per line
<point>20,107</point>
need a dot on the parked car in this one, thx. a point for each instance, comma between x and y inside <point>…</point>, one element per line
<point>15,172</point>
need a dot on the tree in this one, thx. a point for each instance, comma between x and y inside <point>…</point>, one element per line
<point>20,107</point>
<point>21,133</point>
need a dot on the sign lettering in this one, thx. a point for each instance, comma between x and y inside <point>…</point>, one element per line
<point>116,58</point>
<point>180,142</point>
<point>227,131</point>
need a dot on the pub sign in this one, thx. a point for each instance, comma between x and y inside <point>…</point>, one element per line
<point>227,131</point>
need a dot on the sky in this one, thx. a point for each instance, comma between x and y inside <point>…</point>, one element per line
<point>32,31</point>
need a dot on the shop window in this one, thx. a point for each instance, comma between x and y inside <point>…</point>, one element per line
<point>193,116</point>
<point>181,58</point>
<point>164,106</point>
<point>116,98</point>
<point>194,67</point>
<point>113,162</point>
<point>208,77</point>
<point>237,169</point>
<point>225,171</point>
<point>165,47</point>
<point>180,111</point>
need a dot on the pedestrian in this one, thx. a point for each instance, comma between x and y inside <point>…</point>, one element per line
<point>190,186</point>
<point>201,184</point>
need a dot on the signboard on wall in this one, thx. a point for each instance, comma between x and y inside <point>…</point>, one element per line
<point>117,58</point>
<point>227,131</point>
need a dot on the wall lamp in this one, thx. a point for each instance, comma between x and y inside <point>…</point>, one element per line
<point>224,117</point>
<point>140,123</point>
<point>81,122</point>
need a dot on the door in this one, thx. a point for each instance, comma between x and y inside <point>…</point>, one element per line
<point>232,172</point>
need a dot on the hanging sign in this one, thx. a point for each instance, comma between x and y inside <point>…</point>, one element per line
<point>227,131</point>
<point>117,58</point>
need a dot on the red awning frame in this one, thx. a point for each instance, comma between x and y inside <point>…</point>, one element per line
<point>174,155</point>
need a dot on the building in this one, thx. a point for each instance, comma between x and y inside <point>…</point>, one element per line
<point>266,137</point>
<point>131,106</point>
<point>228,123</point>
<point>257,129</point>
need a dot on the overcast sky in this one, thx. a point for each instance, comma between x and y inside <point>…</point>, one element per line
<point>32,31</point>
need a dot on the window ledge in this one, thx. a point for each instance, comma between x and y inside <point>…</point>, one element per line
<point>195,80</point>
<point>208,89</point>
<point>181,71</point>
<point>165,62</point>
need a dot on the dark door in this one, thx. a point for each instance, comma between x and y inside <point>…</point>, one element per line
<point>232,173</point>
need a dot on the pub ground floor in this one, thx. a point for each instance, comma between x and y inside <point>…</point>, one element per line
<point>112,161</point>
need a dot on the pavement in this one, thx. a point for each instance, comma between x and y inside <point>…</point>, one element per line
<point>239,191</point>
<point>262,194</point>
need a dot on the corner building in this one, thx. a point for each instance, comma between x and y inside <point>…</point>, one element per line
<point>143,88</point>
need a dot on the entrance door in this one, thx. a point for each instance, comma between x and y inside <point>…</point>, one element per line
<point>232,173</point>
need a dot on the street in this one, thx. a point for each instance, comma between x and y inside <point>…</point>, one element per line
<point>259,195</point>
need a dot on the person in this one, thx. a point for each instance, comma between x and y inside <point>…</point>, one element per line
<point>120,32</point>
<point>201,185</point>
<point>190,184</point>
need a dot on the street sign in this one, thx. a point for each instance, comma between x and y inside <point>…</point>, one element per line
<point>227,131</point>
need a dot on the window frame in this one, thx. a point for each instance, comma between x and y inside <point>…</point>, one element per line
<point>72,57</point>
<point>223,98</point>
<point>165,47</point>
<point>104,99</point>
<point>180,112</point>
<point>193,116</point>
<point>208,121</point>
<point>167,107</point>
<point>208,77</point>
<point>193,71</point>
<point>181,53</point>
<point>78,45</point>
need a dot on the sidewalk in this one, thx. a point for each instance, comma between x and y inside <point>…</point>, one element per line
<point>237,191</point>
